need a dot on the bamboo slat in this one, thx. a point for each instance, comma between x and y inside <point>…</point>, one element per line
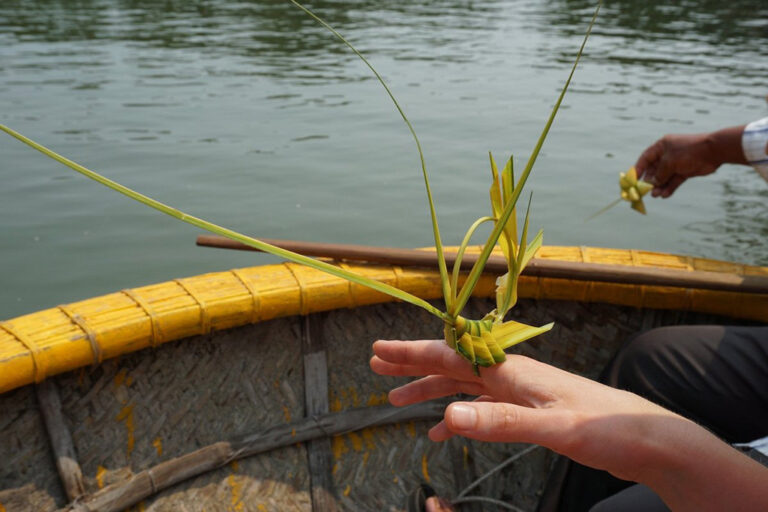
<point>124,494</point>
<point>57,340</point>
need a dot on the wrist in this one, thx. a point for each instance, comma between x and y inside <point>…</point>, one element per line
<point>691,469</point>
<point>724,146</point>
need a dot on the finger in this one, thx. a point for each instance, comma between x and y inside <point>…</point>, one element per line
<point>665,189</point>
<point>501,422</point>
<point>433,356</point>
<point>431,387</point>
<point>671,186</point>
<point>667,170</point>
<point>648,161</point>
<point>440,432</point>
<point>396,370</point>
<point>437,504</point>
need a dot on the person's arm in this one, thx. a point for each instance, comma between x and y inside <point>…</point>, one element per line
<point>523,400</point>
<point>671,160</point>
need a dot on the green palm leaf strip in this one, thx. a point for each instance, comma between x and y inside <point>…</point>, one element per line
<point>460,253</point>
<point>435,229</point>
<point>213,228</point>
<point>474,274</point>
<point>499,198</point>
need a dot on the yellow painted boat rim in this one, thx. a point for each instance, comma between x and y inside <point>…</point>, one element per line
<point>56,340</point>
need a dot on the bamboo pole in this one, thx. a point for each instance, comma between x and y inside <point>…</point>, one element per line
<point>313,347</point>
<point>61,440</point>
<point>121,495</point>
<point>537,267</point>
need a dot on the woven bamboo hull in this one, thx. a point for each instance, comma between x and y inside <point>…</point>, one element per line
<point>132,412</point>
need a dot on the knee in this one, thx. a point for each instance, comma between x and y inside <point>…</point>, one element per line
<point>603,506</point>
<point>641,360</point>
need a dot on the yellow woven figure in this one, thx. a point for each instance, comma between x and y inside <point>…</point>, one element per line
<point>633,190</point>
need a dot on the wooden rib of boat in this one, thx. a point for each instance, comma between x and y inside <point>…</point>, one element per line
<point>250,389</point>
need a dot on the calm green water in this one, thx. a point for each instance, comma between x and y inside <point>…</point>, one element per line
<point>249,115</point>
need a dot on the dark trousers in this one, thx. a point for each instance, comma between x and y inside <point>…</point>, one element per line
<point>714,375</point>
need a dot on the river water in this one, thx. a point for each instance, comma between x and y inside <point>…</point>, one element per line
<point>250,115</point>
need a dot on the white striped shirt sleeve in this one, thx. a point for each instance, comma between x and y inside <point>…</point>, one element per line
<point>754,142</point>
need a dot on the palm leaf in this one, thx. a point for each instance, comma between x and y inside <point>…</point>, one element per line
<point>460,253</point>
<point>508,184</point>
<point>477,269</point>
<point>533,246</point>
<point>511,333</point>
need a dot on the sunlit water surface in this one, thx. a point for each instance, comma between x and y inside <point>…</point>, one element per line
<point>250,115</point>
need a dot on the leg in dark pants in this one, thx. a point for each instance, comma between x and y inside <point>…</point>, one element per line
<point>714,375</point>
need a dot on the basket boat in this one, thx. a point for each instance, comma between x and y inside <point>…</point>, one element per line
<point>250,389</point>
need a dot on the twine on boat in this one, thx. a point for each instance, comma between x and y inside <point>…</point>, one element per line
<point>398,271</point>
<point>152,482</point>
<point>538,289</point>
<point>34,350</point>
<point>350,285</point>
<point>583,251</point>
<point>204,317</point>
<point>89,333</point>
<point>155,340</point>
<point>589,289</point>
<point>303,300</point>
<point>255,297</point>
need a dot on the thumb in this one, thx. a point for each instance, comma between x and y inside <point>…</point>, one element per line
<point>500,422</point>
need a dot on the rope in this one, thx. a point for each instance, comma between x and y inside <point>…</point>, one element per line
<point>584,257</point>
<point>352,296</point>
<point>303,300</point>
<point>497,468</point>
<point>155,340</point>
<point>89,333</point>
<point>255,297</point>
<point>40,367</point>
<point>152,481</point>
<point>399,275</point>
<point>691,263</point>
<point>204,319</point>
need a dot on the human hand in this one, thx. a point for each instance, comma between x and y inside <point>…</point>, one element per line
<point>671,160</point>
<point>523,400</point>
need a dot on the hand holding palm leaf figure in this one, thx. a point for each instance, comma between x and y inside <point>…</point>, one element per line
<point>481,342</point>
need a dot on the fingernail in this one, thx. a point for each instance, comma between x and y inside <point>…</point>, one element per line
<point>464,417</point>
<point>435,504</point>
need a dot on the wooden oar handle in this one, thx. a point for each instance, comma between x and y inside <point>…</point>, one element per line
<point>537,267</point>
<point>385,255</point>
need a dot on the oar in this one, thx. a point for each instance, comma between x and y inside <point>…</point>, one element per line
<point>538,267</point>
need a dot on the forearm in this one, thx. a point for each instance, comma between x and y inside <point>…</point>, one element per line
<point>692,470</point>
<point>724,146</point>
